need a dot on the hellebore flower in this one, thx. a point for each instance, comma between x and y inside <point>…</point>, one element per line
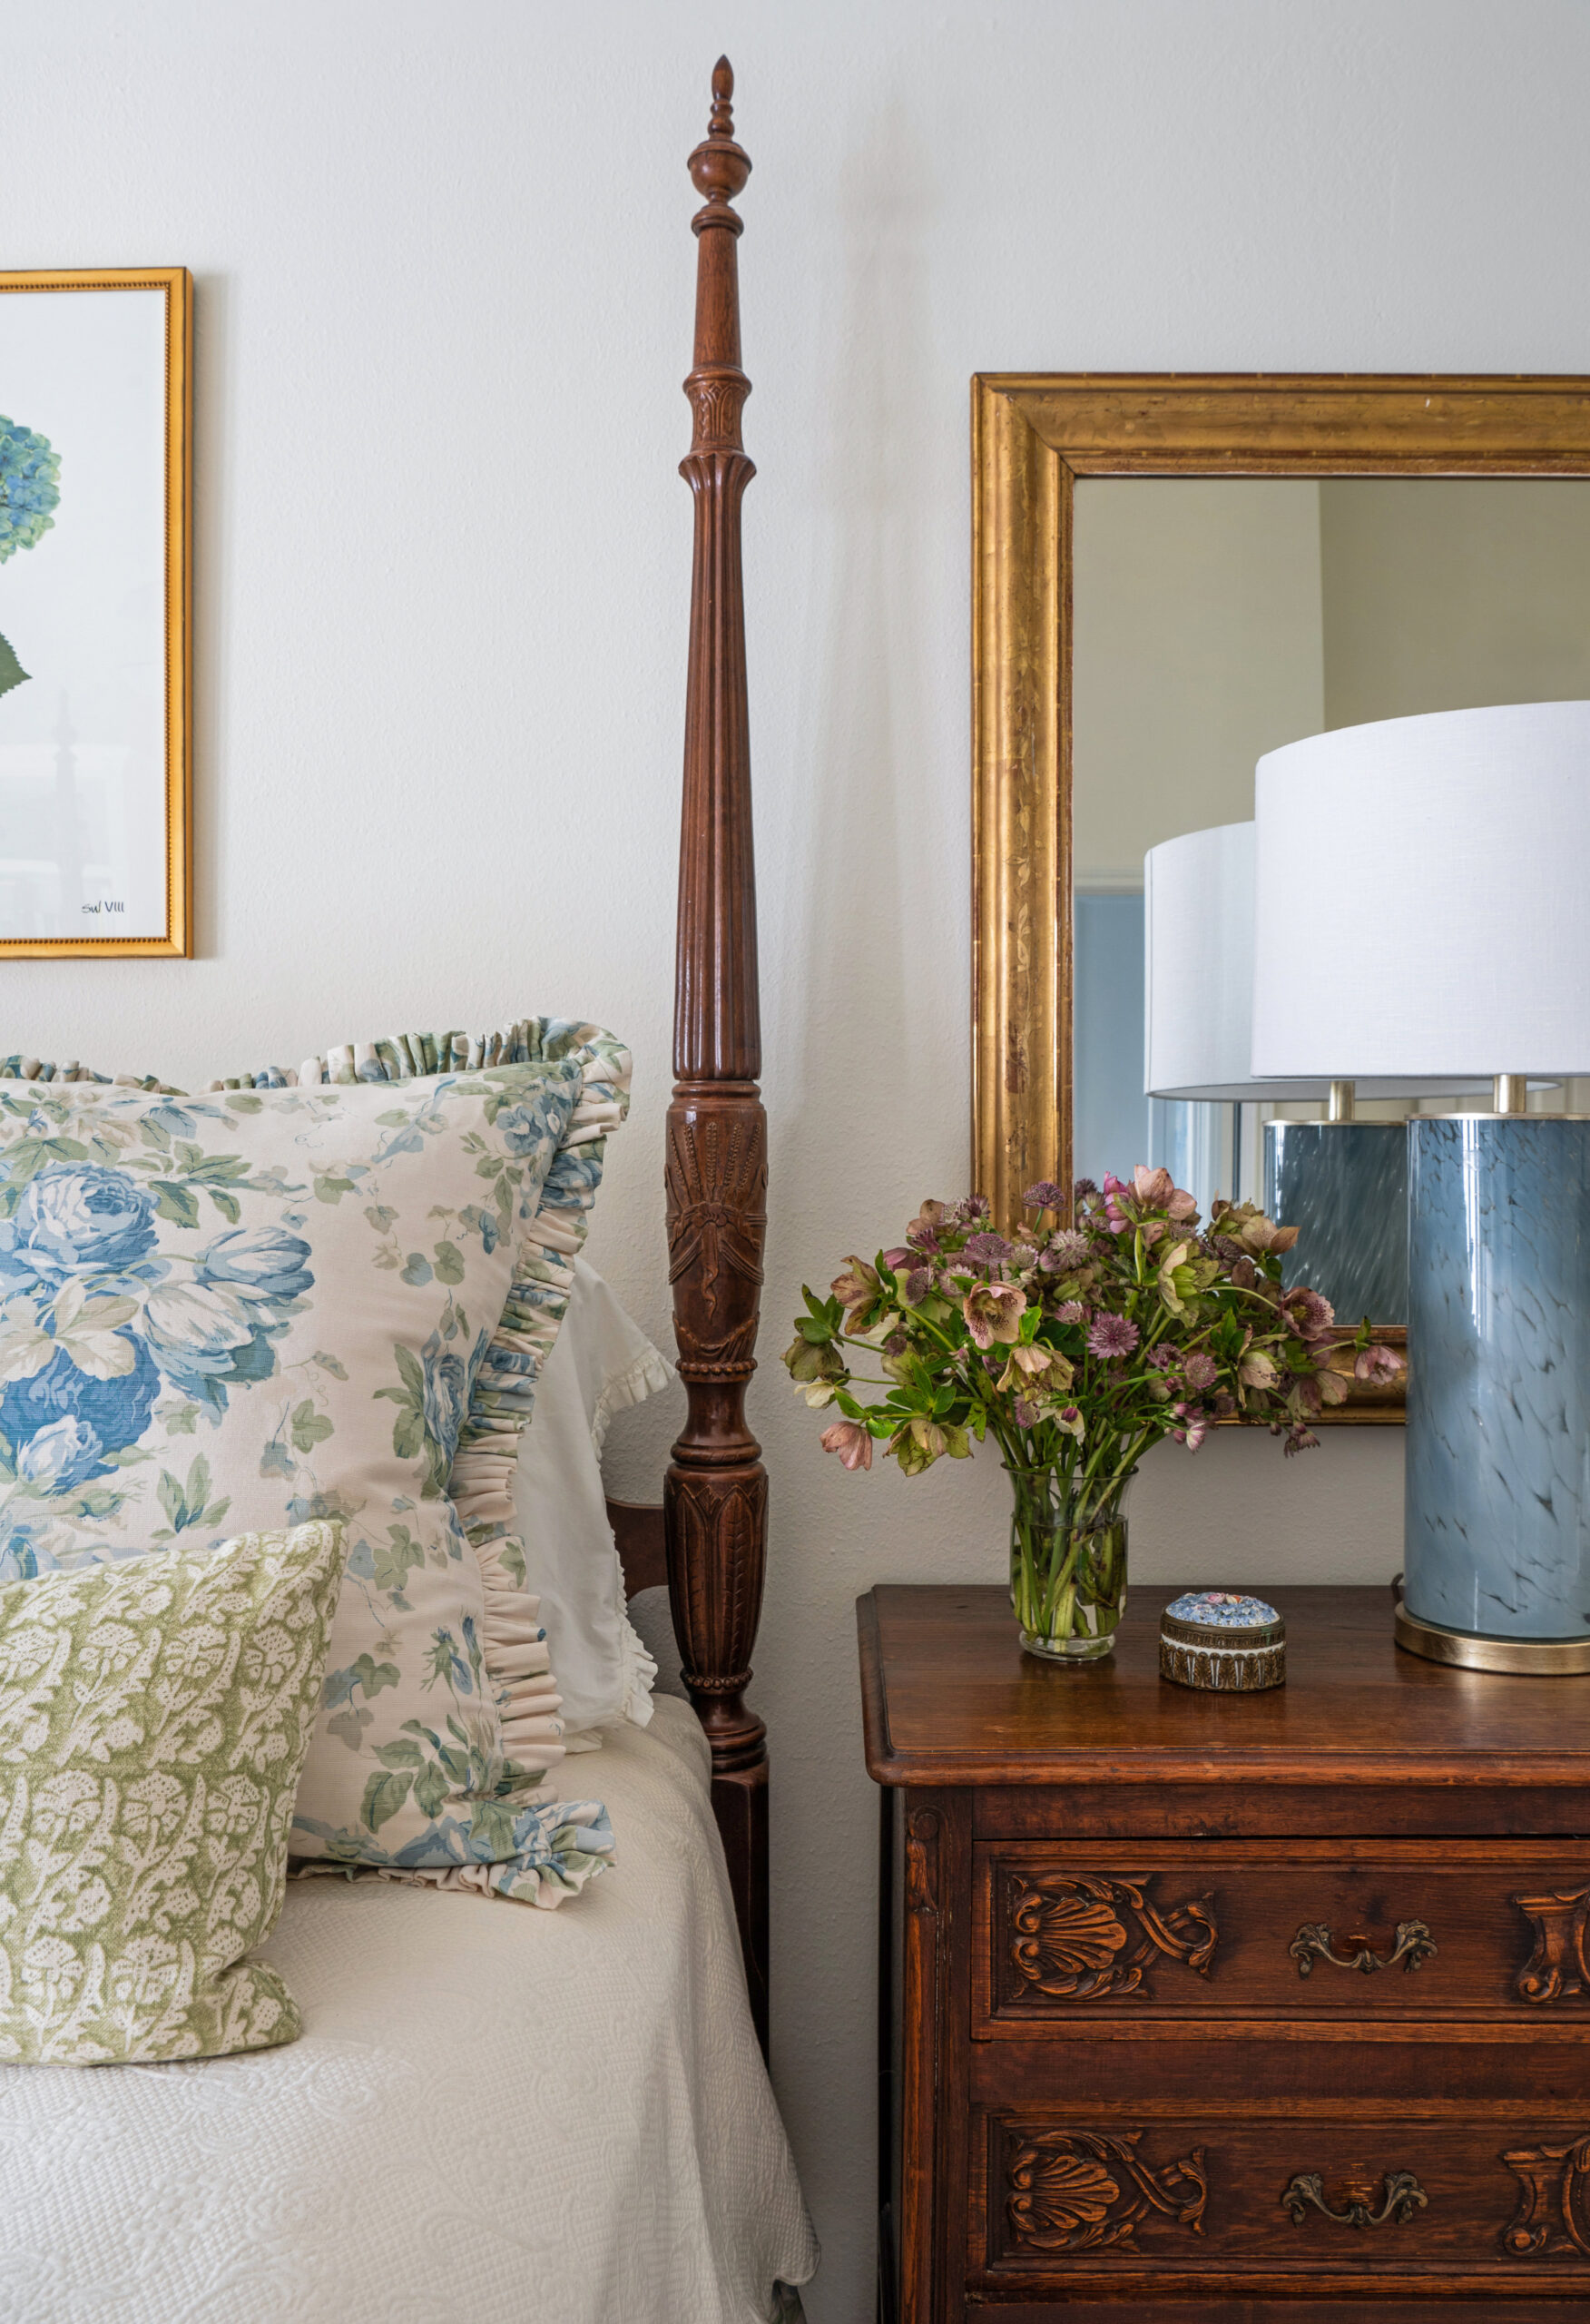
<point>1070,1419</point>
<point>1258,1371</point>
<point>1153,1188</point>
<point>1178,1277</point>
<point>993,1311</point>
<point>1311,1316</point>
<point>1376,1364</point>
<point>1299,1439</point>
<point>856,1292</point>
<point>851,1441</point>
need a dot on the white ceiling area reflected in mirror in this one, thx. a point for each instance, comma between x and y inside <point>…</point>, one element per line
<point>1218,618</point>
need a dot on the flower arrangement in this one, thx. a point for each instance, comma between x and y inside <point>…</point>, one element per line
<point>1075,1348</point>
<point>30,489</point>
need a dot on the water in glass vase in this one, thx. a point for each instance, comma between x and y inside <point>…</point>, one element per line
<point>1068,1565</point>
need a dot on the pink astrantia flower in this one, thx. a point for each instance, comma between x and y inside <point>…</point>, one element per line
<point>1071,1311</point>
<point>1112,1336</point>
<point>1045,1196</point>
<point>1199,1372</point>
<point>993,1311</point>
<point>851,1441</point>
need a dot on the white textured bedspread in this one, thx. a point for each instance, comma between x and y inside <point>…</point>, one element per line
<point>495,2114</point>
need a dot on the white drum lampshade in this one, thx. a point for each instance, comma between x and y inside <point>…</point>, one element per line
<point>1422,907</point>
<point>1344,1184</point>
<point>1422,897</point>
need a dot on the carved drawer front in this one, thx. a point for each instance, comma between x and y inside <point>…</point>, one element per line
<point>1503,2203</point>
<point>1316,1929</point>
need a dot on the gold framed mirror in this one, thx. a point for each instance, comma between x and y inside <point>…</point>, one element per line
<point>1343,454</point>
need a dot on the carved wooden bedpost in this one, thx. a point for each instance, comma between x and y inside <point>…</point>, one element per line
<point>716,1495</point>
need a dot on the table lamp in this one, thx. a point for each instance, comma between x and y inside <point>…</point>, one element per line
<point>1343,1183</point>
<point>1420,909</point>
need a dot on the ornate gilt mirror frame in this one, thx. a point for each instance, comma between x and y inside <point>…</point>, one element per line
<point>1033,436</point>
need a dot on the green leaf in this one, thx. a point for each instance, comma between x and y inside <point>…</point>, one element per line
<point>412,1373</point>
<point>226,1204</point>
<point>395,1119</point>
<point>309,1427</point>
<point>331,1189</point>
<point>155,1134</point>
<point>239,1104</point>
<point>396,1559</point>
<point>329,1364</point>
<point>400,1755</point>
<point>430,1792</point>
<point>12,672</point>
<point>384,1796</point>
<point>275,1461</point>
<point>181,1423</point>
<point>215,1512</point>
<point>494,1823</point>
<point>175,1203</point>
<point>419,1269</point>
<point>171,1500</point>
<point>408,1435</point>
<point>449,1264</point>
<point>380,1216</point>
<point>373,1676</point>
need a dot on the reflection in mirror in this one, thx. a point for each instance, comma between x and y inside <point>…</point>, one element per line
<point>1215,619</point>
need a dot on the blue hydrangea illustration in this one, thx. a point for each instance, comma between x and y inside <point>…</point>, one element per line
<point>30,489</point>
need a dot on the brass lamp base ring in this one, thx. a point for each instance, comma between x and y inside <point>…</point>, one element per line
<point>1547,1657</point>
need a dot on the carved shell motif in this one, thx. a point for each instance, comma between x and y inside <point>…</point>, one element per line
<point>1091,1936</point>
<point>1078,2190</point>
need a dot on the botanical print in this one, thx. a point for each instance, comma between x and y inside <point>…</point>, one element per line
<point>94,394</point>
<point>314,1303</point>
<point>154,1715</point>
<point>30,489</point>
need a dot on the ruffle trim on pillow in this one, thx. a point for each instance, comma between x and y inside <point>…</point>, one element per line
<point>646,1377</point>
<point>503,1390</point>
<point>561,1847</point>
<point>639,1673</point>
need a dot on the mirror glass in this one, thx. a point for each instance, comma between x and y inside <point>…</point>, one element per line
<point>1217,618</point>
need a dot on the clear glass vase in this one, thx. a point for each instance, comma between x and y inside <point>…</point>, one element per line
<point>1067,1565</point>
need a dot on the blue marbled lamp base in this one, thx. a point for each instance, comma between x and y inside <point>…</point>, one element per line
<point>1344,1186</point>
<point>1499,1398</point>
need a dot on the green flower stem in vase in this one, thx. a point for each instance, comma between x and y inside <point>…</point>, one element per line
<point>1067,1563</point>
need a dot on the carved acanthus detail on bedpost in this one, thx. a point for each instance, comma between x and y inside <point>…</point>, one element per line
<point>715,1498</point>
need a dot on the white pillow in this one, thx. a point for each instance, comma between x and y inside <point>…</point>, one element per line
<point>600,1363</point>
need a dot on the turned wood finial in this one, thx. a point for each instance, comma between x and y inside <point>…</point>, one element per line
<point>719,168</point>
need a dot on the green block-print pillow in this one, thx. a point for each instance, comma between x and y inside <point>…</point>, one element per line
<point>255,1307</point>
<point>154,1716</point>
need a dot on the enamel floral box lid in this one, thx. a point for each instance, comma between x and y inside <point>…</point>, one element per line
<point>1223,1640</point>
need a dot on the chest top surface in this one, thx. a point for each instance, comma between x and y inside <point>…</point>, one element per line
<point>949,1697</point>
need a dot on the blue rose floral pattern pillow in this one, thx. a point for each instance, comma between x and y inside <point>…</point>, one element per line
<point>257,1308</point>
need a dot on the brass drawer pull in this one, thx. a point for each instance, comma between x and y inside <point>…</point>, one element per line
<point>1402,2197</point>
<point>1414,1946</point>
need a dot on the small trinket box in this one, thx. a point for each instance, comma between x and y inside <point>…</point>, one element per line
<point>1223,1641</point>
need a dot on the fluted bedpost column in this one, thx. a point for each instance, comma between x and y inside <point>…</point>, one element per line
<point>716,1492</point>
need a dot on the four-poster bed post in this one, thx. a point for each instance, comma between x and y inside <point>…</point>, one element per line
<point>715,1496</point>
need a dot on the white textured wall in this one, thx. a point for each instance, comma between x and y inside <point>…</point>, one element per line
<point>445,272</point>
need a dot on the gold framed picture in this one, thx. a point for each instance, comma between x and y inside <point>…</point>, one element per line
<point>95,612</point>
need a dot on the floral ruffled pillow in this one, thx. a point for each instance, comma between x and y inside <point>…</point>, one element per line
<point>264,1306</point>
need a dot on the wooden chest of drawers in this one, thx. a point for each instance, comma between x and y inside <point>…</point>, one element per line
<point>1227,2007</point>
